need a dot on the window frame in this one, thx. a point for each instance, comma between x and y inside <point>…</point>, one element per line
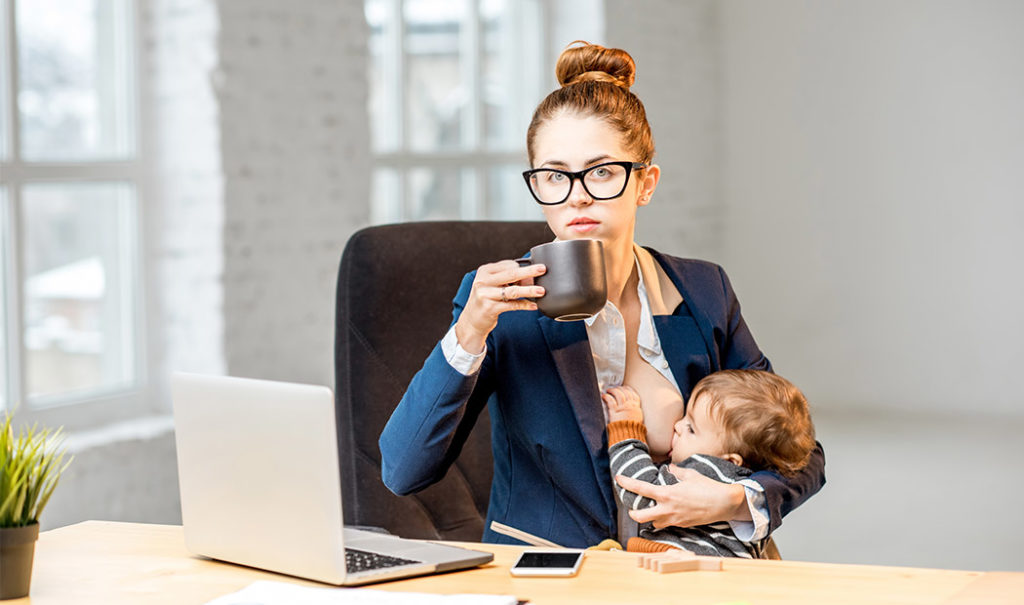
<point>473,160</point>
<point>100,406</point>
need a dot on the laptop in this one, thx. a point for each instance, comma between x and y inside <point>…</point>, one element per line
<point>260,486</point>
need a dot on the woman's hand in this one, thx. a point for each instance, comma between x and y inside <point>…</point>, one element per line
<point>695,500</point>
<point>623,403</point>
<point>498,287</point>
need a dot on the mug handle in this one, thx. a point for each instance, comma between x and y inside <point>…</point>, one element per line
<point>525,261</point>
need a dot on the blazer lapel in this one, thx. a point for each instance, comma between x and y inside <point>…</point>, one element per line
<point>573,359</point>
<point>688,366</point>
<point>570,349</point>
<point>702,319</point>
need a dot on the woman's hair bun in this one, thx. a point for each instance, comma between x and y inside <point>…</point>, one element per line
<point>595,63</point>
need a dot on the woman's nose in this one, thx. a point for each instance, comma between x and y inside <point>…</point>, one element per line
<point>578,195</point>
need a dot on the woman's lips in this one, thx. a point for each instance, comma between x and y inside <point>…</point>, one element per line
<point>583,225</point>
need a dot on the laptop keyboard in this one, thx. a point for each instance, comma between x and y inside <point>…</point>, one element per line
<point>361,560</point>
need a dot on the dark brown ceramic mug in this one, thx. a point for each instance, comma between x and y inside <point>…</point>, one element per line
<point>575,285</point>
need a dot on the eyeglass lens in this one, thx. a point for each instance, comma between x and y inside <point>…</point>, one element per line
<point>601,182</point>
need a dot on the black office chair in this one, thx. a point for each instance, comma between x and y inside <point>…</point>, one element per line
<point>395,287</point>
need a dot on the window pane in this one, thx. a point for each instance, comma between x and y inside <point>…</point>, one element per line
<point>512,48</point>
<point>79,287</point>
<point>74,79</point>
<point>437,96</point>
<point>434,194</point>
<point>4,239</point>
<point>507,196</point>
<point>384,99</point>
<point>5,130</point>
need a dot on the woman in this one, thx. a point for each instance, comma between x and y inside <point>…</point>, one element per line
<point>668,323</point>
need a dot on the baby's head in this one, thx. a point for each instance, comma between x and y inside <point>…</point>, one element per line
<point>753,418</point>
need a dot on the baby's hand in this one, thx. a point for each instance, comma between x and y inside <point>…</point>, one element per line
<point>623,403</point>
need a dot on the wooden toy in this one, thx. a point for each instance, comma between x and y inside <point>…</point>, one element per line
<point>674,560</point>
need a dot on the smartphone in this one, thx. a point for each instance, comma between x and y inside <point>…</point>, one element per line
<point>562,562</point>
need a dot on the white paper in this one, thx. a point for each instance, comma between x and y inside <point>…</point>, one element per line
<point>280,593</point>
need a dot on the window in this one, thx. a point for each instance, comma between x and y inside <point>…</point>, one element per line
<point>68,208</point>
<point>453,84</point>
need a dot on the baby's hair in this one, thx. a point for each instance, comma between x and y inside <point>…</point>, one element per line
<point>595,82</point>
<point>765,417</point>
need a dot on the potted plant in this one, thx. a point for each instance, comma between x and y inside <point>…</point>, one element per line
<point>31,463</point>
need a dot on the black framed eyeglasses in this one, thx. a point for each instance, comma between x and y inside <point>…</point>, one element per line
<point>605,181</point>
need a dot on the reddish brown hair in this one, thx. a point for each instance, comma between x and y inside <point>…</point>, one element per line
<point>766,419</point>
<point>595,82</point>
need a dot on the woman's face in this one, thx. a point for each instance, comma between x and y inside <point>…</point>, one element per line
<point>572,142</point>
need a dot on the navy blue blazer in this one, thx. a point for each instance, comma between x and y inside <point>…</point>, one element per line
<point>551,474</point>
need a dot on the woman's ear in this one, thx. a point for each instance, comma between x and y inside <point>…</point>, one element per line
<point>734,458</point>
<point>652,174</point>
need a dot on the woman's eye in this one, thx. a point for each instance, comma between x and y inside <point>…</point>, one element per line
<point>689,429</point>
<point>601,173</point>
<point>556,177</point>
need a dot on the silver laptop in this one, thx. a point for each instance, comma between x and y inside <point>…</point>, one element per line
<point>260,486</point>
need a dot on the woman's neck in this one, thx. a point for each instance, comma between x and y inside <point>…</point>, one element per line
<point>619,269</point>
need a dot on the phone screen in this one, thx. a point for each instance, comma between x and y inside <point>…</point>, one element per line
<point>547,563</point>
<point>548,559</point>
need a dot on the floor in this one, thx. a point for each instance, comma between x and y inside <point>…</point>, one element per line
<point>941,492</point>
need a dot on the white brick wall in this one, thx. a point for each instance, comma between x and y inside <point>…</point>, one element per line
<point>292,90</point>
<point>183,207</point>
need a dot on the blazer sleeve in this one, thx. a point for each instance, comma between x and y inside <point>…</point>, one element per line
<point>738,349</point>
<point>782,494</point>
<point>431,423</point>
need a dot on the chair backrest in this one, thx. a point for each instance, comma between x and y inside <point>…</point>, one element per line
<point>395,287</point>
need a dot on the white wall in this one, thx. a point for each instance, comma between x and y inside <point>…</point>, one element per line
<point>874,184</point>
<point>675,46</point>
<point>858,168</point>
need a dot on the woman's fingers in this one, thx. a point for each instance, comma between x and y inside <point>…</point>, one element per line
<point>512,292</point>
<point>695,500</point>
<point>497,288</point>
<point>507,272</point>
<point>652,515</point>
<point>647,490</point>
<point>502,282</point>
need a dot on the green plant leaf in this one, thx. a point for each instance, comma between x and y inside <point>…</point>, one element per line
<point>31,464</point>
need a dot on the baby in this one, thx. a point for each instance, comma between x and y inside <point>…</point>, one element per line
<point>736,422</point>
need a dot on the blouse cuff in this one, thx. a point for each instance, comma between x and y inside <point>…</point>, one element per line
<point>459,359</point>
<point>757,528</point>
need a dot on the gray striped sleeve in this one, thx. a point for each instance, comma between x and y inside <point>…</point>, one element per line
<point>631,458</point>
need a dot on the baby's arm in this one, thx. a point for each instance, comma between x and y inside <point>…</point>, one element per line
<point>627,446</point>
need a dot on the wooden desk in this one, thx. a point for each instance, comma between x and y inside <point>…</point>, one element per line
<point>129,563</point>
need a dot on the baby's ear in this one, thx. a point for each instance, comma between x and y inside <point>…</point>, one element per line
<point>734,458</point>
